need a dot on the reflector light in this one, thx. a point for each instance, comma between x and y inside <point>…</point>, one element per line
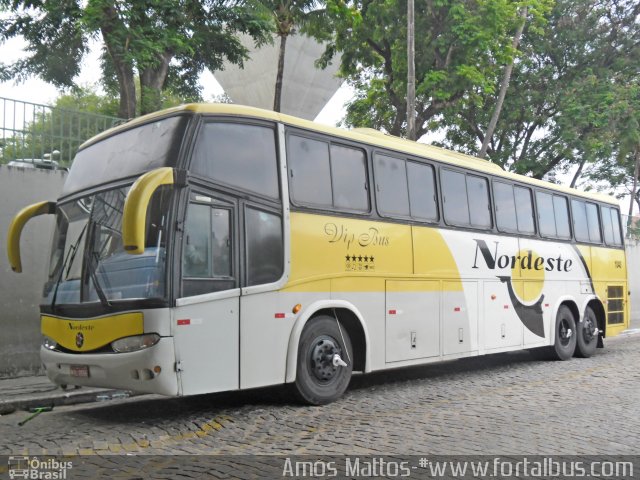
<point>392,312</point>
<point>279,315</point>
<point>456,309</point>
<point>185,321</point>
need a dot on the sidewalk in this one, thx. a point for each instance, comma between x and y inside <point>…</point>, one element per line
<point>25,393</point>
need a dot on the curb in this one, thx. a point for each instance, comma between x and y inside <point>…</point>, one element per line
<point>28,402</point>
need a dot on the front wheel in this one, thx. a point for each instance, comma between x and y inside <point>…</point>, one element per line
<point>587,334</point>
<point>324,361</point>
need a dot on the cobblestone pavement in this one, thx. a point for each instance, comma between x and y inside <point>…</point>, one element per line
<point>500,404</point>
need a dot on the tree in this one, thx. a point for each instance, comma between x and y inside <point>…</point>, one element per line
<point>562,112</point>
<point>459,46</point>
<point>289,17</point>
<point>504,85</point>
<point>164,42</point>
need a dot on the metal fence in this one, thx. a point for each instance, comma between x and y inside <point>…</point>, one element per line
<point>34,135</point>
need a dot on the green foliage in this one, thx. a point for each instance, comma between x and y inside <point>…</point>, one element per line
<point>166,43</point>
<point>573,99</point>
<point>460,45</point>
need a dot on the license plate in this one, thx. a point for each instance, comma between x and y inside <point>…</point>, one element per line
<point>79,370</point>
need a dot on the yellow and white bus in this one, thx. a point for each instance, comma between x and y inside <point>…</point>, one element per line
<point>216,247</point>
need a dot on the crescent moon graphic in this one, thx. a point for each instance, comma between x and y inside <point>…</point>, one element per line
<point>530,315</point>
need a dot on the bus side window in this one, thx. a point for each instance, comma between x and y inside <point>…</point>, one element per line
<point>206,253</point>
<point>265,246</point>
<point>611,223</point>
<point>593,221</point>
<point>524,210</point>
<point>454,192</point>
<point>391,185</point>
<point>546,217</point>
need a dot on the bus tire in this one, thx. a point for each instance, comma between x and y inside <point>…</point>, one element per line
<point>565,342</point>
<point>586,333</point>
<point>318,380</point>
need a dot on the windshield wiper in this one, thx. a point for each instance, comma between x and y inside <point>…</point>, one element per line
<point>99,290</point>
<point>91,257</point>
<point>71,255</point>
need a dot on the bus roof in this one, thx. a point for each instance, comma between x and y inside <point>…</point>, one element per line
<point>364,135</point>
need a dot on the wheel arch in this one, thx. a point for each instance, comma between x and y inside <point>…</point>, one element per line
<point>350,318</point>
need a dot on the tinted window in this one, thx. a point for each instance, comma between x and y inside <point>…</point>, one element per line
<point>310,171</point>
<point>546,217</point>
<point>391,185</point>
<point>524,209</point>
<point>611,223</point>
<point>454,191</point>
<point>615,222</point>
<point>206,253</point>
<point>593,223</point>
<point>422,191</point>
<point>505,207</point>
<point>561,210</point>
<point>349,178</point>
<point>265,247</point>
<point>326,175</point>
<point>478,192</point>
<point>128,153</point>
<point>241,156</point>
<point>580,225</point>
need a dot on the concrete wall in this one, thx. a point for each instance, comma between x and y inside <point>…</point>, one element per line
<point>633,267</point>
<point>20,292</point>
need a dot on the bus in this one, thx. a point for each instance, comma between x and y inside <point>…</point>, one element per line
<point>214,247</point>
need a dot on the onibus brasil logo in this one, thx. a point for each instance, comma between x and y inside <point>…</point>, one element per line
<point>38,468</point>
<point>526,296</point>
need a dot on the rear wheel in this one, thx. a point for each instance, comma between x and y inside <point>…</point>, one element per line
<point>324,366</point>
<point>587,334</point>
<point>565,343</point>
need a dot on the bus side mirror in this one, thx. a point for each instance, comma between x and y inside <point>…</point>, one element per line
<point>15,230</point>
<point>134,216</point>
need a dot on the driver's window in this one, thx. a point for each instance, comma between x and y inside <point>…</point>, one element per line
<point>207,254</point>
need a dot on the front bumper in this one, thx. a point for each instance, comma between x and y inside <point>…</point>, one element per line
<point>128,371</point>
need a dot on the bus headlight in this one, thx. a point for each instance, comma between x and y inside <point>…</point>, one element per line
<point>49,343</point>
<point>137,342</point>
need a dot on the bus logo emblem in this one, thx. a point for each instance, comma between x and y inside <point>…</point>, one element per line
<point>79,340</point>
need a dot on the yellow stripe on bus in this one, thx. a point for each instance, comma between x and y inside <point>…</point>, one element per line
<point>87,335</point>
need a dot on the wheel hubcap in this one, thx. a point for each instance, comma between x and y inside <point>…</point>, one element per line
<point>565,332</point>
<point>589,329</point>
<point>321,358</point>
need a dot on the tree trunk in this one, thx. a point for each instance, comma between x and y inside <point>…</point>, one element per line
<point>127,90</point>
<point>411,73</point>
<point>578,173</point>
<point>152,80</point>
<point>504,84</point>
<point>277,97</point>
<point>636,172</point>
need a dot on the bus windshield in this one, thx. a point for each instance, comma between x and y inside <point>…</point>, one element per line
<point>88,262</point>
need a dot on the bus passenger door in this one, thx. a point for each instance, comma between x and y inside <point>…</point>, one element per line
<point>206,318</point>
